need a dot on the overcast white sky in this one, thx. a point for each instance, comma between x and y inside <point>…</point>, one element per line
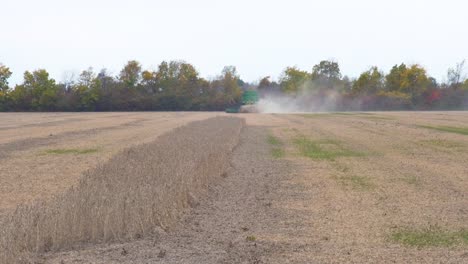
<point>259,37</point>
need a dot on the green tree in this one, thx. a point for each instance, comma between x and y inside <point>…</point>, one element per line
<point>21,98</point>
<point>87,90</point>
<point>131,73</point>
<point>175,86</point>
<point>293,80</point>
<point>369,82</point>
<point>109,91</point>
<point>185,82</point>
<point>187,79</point>
<point>5,74</point>
<point>326,69</point>
<point>326,73</point>
<point>37,92</point>
<point>164,77</point>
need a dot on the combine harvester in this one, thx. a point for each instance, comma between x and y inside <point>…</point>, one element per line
<point>248,104</point>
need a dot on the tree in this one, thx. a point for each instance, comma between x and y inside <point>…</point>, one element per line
<point>185,84</point>
<point>148,79</point>
<point>109,92</point>
<point>21,98</point>
<point>347,84</point>
<point>369,82</point>
<point>293,79</point>
<point>455,76</point>
<point>176,85</point>
<point>5,74</point>
<point>264,83</point>
<point>326,73</point>
<point>166,76</point>
<point>87,90</point>
<point>131,73</point>
<point>415,82</point>
<point>394,78</point>
<point>266,86</point>
<point>390,100</point>
<point>412,80</point>
<point>187,73</point>
<point>230,84</point>
<point>37,92</point>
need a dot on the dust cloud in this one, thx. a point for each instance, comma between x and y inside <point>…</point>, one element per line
<point>299,103</point>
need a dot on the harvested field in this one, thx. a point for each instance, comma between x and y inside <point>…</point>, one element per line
<point>307,188</point>
<point>137,190</point>
<point>29,167</point>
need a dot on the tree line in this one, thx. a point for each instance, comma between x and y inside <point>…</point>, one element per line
<point>405,87</point>
<point>177,86</point>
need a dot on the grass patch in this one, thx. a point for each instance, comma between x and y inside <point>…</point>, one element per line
<point>366,115</point>
<point>374,117</point>
<point>413,180</point>
<point>323,149</point>
<point>443,143</point>
<point>251,238</point>
<point>272,140</point>
<point>335,114</point>
<point>369,116</point>
<point>430,237</point>
<point>464,236</point>
<point>357,182</point>
<point>277,153</point>
<point>351,113</point>
<point>316,115</point>
<point>456,130</point>
<point>341,167</point>
<point>71,151</point>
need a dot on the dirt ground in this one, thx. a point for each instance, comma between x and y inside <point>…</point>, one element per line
<point>382,176</point>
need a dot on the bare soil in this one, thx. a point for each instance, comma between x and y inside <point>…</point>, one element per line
<point>298,209</point>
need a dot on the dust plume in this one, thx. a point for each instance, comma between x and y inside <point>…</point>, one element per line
<point>306,99</point>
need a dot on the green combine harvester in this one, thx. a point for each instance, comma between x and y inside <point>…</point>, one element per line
<point>249,99</point>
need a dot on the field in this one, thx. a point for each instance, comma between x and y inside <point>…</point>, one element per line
<point>370,187</point>
<point>43,154</point>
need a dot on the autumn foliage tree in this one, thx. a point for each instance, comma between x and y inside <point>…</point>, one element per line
<point>294,79</point>
<point>369,82</point>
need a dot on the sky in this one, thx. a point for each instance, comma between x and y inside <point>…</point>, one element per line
<point>261,38</point>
